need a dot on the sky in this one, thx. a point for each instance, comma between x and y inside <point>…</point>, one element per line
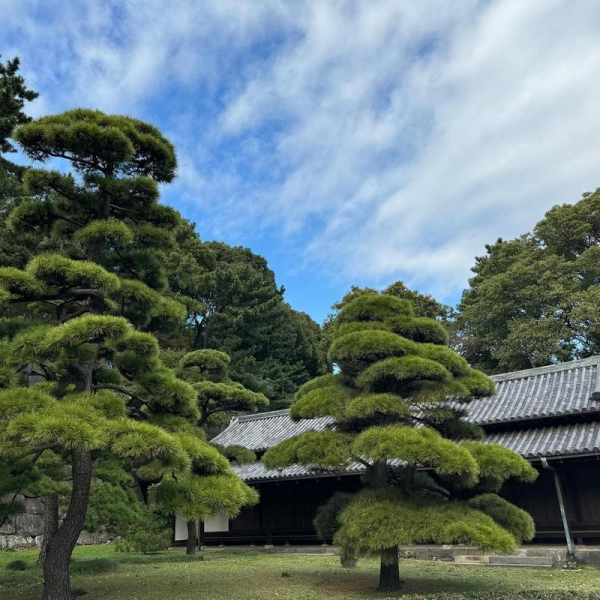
<point>348,142</point>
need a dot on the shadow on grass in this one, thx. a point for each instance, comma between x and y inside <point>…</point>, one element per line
<point>93,566</point>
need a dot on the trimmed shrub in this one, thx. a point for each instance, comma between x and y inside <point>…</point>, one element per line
<point>18,565</point>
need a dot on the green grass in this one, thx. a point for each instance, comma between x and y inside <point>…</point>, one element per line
<point>236,575</point>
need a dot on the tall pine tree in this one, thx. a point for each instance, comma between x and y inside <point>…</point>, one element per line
<point>74,318</point>
<point>397,401</point>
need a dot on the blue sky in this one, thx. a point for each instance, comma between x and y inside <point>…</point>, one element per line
<point>349,142</point>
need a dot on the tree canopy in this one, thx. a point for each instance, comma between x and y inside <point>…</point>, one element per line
<point>424,305</point>
<point>82,375</point>
<point>533,300</point>
<point>397,400</point>
<point>13,96</point>
<point>236,307</point>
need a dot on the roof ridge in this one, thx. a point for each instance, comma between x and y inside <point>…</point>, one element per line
<point>565,366</point>
<point>263,415</point>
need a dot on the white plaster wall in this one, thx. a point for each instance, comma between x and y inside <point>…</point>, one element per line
<point>180,529</point>
<point>218,523</point>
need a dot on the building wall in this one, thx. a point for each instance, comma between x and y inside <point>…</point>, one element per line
<point>287,508</point>
<point>581,487</point>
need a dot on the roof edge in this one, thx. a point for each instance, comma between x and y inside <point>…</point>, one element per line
<point>263,415</point>
<point>565,366</point>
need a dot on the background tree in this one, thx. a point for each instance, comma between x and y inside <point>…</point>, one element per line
<point>15,476</point>
<point>217,394</point>
<point>398,409</point>
<point>13,96</point>
<point>235,306</point>
<point>533,300</point>
<point>73,320</point>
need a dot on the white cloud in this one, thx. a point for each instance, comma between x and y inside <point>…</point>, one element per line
<point>381,140</point>
<point>413,160</point>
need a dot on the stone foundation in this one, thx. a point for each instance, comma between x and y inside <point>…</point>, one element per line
<point>25,530</point>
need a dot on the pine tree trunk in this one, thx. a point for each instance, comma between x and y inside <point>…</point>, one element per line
<point>57,583</point>
<point>192,541</point>
<point>50,524</point>
<point>389,571</point>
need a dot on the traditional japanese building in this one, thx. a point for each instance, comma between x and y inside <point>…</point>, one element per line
<point>549,415</point>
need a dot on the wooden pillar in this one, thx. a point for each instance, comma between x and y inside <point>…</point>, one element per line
<point>266,515</point>
<point>201,534</point>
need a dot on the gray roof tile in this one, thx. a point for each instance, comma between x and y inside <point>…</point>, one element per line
<point>552,391</point>
<point>524,396</point>
<point>259,432</point>
<point>560,440</point>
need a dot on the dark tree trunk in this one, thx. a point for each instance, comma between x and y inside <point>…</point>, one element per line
<point>57,583</point>
<point>192,541</point>
<point>50,524</point>
<point>389,571</point>
<point>348,558</point>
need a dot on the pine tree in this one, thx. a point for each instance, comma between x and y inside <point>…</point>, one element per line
<point>73,326</point>
<point>236,306</point>
<point>207,371</point>
<point>397,401</point>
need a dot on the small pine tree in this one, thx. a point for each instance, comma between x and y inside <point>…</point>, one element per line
<point>207,371</point>
<point>82,374</point>
<point>398,406</point>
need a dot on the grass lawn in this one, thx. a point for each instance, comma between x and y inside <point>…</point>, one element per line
<point>234,575</point>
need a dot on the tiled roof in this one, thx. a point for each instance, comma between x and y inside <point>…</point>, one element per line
<point>258,472</point>
<point>524,397</point>
<point>553,391</point>
<point>259,432</point>
<point>558,441</point>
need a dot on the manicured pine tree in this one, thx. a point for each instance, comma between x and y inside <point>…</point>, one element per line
<point>216,394</point>
<point>397,402</point>
<point>76,314</point>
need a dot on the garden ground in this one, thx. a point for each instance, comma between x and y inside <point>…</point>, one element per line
<point>223,574</point>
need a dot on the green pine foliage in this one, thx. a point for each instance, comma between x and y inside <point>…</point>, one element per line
<point>397,407</point>
<point>214,392</point>
<point>82,373</point>
<point>235,306</point>
<point>507,515</point>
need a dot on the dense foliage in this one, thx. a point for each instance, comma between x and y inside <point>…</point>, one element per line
<point>14,475</point>
<point>397,402</point>
<point>82,375</point>
<point>235,306</point>
<point>534,300</point>
<point>216,394</point>
<point>424,305</point>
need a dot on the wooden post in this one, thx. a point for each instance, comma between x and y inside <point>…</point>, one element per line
<point>561,505</point>
<point>201,535</point>
<point>265,504</point>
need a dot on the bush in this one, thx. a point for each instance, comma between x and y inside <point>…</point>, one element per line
<point>149,535</point>
<point>18,565</point>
